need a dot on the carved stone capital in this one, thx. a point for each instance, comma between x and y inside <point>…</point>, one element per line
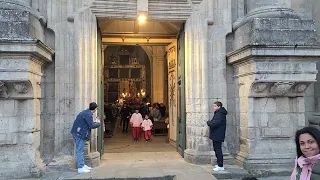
<point>16,89</point>
<point>278,89</point>
<point>21,87</point>
<point>259,87</point>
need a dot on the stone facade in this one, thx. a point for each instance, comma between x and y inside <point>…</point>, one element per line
<point>258,57</point>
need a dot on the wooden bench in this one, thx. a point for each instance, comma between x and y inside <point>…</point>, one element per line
<point>160,128</point>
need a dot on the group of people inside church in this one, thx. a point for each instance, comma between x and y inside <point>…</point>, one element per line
<point>124,115</point>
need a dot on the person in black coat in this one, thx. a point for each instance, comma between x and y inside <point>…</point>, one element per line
<point>217,132</point>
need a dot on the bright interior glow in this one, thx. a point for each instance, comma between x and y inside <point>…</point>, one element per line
<point>142,18</point>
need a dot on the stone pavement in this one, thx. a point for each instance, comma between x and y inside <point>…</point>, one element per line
<point>138,165</point>
<point>146,165</point>
<point>124,159</point>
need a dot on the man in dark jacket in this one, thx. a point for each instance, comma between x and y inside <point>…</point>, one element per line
<point>81,131</point>
<point>217,132</point>
<point>125,115</point>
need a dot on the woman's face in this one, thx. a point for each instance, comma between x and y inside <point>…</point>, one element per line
<point>308,145</point>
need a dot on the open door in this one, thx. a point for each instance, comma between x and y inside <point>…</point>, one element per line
<point>181,127</point>
<point>100,63</point>
<point>171,50</point>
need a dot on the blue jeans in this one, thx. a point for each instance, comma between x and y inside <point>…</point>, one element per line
<point>79,151</point>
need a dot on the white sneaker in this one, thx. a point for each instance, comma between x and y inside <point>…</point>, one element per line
<point>217,168</point>
<point>87,167</point>
<point>83,170</point>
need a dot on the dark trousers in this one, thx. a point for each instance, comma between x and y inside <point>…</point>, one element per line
<point>218,151</point>
<point>125,124</point>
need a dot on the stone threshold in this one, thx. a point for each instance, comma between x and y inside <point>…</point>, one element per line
<point>237,173</point>
<point>231,173</point>
<point>137,178</point>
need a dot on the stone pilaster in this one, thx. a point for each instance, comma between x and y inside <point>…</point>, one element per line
<point>273,62</point>
<point>86,74</point>
<point>157,63</point>
<point>20,76</point>
<point>205,82</point>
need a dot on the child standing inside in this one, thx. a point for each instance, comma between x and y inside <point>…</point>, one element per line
<point>147,126</point>
<point>135,122</point>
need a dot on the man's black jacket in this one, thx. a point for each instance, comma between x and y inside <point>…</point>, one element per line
<point>218,125</point>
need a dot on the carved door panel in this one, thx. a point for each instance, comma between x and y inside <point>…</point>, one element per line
<point>181,128</point>
<point>100,80</point>
<point>172,91</point>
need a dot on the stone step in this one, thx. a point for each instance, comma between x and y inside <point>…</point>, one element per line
<point>137,178</point>
<point>231,172</point>
<point>61,163</point>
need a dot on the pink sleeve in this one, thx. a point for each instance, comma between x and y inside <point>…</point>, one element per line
<point>294,173</point>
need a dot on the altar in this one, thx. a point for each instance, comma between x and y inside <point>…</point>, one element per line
<point>125,74</point>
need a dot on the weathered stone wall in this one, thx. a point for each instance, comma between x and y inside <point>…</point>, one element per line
<point>269,98</point>
<point>20,138</point>
<point>22,56</point>
<point>316,18</point>
<point>75,66</point>
<point>303,7</point>
<point>47,115</point>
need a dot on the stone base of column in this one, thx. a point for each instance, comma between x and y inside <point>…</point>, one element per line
<point>206,157</point>
<point>266,165</point>
<point>92,159</point>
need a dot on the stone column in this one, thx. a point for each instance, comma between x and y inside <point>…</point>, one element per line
<point>274,62</point>
<point>261,8</point>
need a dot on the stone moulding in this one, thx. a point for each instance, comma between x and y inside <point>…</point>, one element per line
<point>248,51</point>
<point>30,46</point>
<point>262,89</point>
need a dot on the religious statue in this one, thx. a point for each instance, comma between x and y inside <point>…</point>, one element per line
<point>133,89</point>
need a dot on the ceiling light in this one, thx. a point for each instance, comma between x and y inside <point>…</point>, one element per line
<point>142,18</point>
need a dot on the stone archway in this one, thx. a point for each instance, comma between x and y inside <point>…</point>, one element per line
<point>198,17</point>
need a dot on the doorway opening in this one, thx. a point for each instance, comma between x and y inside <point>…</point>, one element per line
<point>142,68</point>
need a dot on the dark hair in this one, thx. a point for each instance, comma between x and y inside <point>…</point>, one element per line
<point>314,132</point>
<point>93,106</point>
<point>218,103</point>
